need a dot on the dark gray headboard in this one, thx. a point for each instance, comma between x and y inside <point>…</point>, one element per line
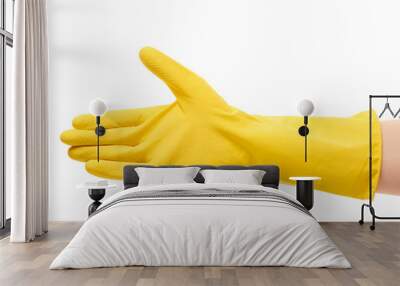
<point>271,177</point>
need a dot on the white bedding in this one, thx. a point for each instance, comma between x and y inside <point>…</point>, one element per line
<point>200,231</point>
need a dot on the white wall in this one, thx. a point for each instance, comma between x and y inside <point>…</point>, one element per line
<point>262,56</point>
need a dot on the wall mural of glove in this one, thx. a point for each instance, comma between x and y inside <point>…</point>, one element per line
<point>199,127</point>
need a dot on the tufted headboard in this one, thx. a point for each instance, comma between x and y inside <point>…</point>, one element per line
<point>271,177</point>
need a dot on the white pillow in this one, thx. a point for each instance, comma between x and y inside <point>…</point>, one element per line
<point>247,177</point>
<point>166,176</point>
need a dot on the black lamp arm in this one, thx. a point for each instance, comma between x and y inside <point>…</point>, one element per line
<point>100,131</point>
<point>304,131</point>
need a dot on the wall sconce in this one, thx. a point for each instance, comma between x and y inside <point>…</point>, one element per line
<point>305,108</point>
<point>97,107</point>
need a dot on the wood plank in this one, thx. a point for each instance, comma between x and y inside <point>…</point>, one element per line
<point>375,257</point>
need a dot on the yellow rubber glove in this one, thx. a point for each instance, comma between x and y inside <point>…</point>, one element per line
<point>201,128</point>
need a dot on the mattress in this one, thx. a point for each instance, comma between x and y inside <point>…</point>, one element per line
<point>201,225</point>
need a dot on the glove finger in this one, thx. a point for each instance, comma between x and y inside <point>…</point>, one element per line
<point>115,136</point>
<point>108,169</point>
<point>120,153</point>
<point>191,91</point>
<point>118,118</point>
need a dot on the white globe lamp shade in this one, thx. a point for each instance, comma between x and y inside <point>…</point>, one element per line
<point>305,107</point>
<point>97,107</point>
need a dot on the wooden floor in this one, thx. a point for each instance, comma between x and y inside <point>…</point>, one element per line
<point>375,257</point>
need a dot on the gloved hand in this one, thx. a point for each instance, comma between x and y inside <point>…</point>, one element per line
<point>201,128</point>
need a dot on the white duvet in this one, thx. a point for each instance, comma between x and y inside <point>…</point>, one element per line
<point>200,231</point>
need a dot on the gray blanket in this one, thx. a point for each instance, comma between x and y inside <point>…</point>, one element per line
<point>206,193</point>
<point>197,225</point>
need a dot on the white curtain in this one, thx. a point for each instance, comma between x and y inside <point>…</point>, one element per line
<point>28,149</point>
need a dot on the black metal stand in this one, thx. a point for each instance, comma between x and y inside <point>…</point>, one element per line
<point>96,195</point>
<point>369,205</point>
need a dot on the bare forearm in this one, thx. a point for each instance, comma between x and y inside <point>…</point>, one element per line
<point>390,180</point>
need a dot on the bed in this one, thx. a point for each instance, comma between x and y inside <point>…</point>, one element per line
<point>198,224</point>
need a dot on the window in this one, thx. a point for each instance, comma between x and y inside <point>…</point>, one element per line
<point>6,44</point>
